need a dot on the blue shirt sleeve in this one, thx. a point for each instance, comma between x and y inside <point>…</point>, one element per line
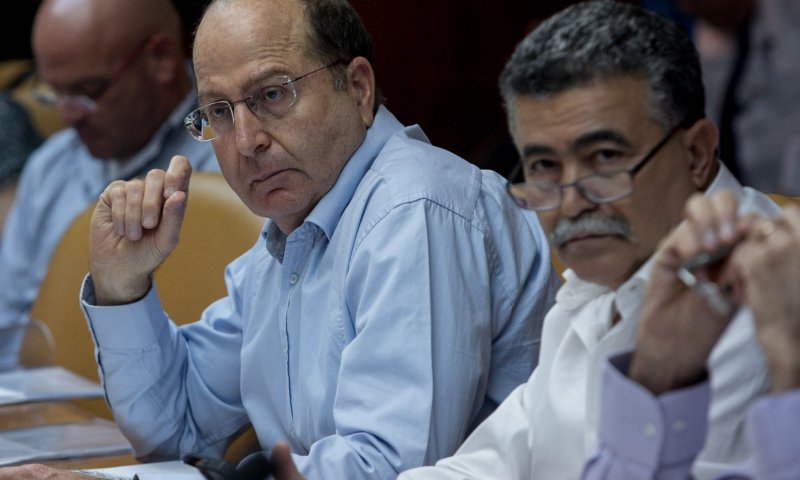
<point>173,391</point>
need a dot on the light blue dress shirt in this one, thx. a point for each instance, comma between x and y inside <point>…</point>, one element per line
<point>372,338</point>
<point>61,180</point>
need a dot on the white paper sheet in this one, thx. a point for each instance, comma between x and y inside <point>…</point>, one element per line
<point>175,470</point>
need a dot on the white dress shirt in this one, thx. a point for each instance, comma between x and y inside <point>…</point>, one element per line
<point>547,427</point>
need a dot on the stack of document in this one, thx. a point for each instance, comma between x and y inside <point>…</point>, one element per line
<point>64,439</point>
<point>61,441</point>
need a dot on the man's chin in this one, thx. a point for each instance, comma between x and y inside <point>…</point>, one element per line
<point>98,150</point>
<point>602,259</point>
<point>611,276</point>
<point>90,142</point>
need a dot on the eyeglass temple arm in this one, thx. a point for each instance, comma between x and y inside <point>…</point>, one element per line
<point>514,172</point>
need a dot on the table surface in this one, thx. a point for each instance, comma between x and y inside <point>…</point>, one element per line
<point>26,415</point>
<point>33,414</point>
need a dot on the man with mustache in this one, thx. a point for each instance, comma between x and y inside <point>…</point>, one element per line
<point>605,104</point>
<point>590,223</point>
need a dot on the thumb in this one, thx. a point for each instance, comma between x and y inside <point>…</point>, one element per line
<point>283,467</point>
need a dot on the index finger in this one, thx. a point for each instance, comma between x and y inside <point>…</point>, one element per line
<point>713,218</point>
<point>177,176</point>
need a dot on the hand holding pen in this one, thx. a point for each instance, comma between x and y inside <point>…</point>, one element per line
<point>691,295</point>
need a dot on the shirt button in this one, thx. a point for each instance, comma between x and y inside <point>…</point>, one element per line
<point>649,429</point>
<point>679,425</point>
<point>292,278</point>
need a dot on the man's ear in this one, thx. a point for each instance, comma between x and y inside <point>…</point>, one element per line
<point>361,86</point>
<point>700,142</point>
<point>164,57</point>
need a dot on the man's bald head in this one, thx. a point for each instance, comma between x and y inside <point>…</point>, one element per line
<point>112,64</point>
<point>332,31</point>
<point>104,26</point>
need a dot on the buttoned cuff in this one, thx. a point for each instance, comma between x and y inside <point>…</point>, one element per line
<point>132,326</point>
<point>651,432</point>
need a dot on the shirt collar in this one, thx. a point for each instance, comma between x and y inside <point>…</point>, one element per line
<point>275,241</point>
<point>724,180</point>
<point>328,211</point>
<point>576,292</point>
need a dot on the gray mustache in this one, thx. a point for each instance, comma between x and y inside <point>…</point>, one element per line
<point>590,223</point>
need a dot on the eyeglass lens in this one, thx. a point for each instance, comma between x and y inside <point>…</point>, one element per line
<point>597,188</point>
<point>274,100</point>
<point>216,118</point>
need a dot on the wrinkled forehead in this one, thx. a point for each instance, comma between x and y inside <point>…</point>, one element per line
<point>239,39</point>
<point>251,25</point>
<point>619,104</point>
<point>245,35</point>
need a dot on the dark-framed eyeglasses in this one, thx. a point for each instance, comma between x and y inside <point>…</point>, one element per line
<point>94,89</point>
<point>272,99</point>
<point>606,187</point>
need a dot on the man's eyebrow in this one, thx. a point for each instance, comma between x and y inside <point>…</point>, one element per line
<point>579,143</point>
<point>535,149</point>
<point>590,138</point>
<point>246,86</point>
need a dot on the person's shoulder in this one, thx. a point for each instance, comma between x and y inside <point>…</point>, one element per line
<point>413,168</point>
<point>410,152</point>
<point>410,169</point>
<point>53,181</point>
<point>60,150</point>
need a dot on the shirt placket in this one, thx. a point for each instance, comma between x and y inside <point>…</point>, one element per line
<point>297,251</point>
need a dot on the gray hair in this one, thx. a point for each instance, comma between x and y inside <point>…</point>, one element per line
<point>338,34</point>
<point>596,40</point>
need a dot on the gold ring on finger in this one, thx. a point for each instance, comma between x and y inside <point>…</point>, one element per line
<point>765,229</point>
